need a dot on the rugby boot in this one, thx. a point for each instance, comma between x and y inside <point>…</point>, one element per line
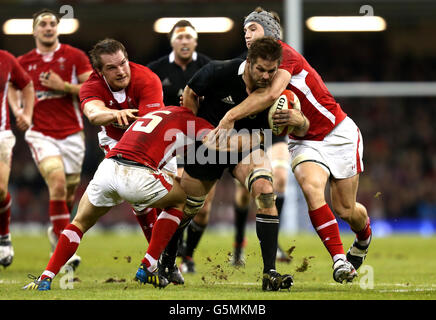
<point>343,271</point>
<point>40,285</point>
<point>271,281</point>
<point>145,276</point>
<point>171,273</point>
<point>357,253</point>
<point>187,265</point>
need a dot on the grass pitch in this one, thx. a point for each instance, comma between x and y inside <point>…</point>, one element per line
<point>400,267</point>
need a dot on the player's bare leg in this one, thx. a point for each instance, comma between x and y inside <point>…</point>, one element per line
<point>313,178</point>
<point>343,194</point>
<point>53,171</point>
<point>72,182</point>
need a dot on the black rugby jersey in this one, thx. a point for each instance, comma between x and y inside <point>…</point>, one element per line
<point>221,85</point>
<point>173,77</point>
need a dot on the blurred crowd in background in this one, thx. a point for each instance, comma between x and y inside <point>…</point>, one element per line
<point>399,150</point>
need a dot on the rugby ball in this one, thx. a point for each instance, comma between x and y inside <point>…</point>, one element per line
<point>287,100</point>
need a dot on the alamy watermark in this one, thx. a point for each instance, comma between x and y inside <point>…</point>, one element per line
<point>366,277</point>
<point>66,282</point>
<point>229,147</point>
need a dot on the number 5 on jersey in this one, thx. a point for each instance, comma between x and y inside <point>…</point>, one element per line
<point>155,120</point>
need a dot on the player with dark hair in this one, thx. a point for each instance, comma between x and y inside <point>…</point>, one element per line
<point>11,73</point>
<point>331,151</point>
<point>56,137</point>
<point>221,84</point>
<point>279,155</point>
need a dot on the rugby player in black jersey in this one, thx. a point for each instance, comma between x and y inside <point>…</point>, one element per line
<point>221,85</point>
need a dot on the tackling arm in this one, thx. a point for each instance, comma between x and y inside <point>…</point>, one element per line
<point>100,115</point>
<point>257,101</point>
<point>239,142</point>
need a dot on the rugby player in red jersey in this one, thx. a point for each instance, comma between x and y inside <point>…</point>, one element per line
<point>114,95</point>
<point>56,137</point>
<point>132,172</point>
<point>10,73</point>
<point>117,91</point>
<point>331,151</point>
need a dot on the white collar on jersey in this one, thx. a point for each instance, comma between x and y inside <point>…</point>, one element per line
<point>120,96</point>
<point>242,68</point>
<point>48,56</point>
<point>172,56</point>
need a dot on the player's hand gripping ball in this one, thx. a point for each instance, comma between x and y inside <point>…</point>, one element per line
<point>287,100</point>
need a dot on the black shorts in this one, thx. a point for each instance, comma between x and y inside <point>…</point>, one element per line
<point>214,168</point>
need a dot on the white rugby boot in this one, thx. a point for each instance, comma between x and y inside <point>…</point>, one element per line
<point>343,271</point>
<point>6,250</point>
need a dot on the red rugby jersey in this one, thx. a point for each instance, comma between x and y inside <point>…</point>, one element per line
<point>317,104</point>
<point>10,70</point>
<point>56,113</point>
<point>143,93</point>
<point>154,138</point>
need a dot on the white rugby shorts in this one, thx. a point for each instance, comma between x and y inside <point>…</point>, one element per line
<point>114,183</point>
<point>71,149</point>
<point>7,143</point>
<point>340,153</point>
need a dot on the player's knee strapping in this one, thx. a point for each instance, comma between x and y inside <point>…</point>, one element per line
<point>192,206</point>
<point>255,174</point>
<point>263,200</point>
